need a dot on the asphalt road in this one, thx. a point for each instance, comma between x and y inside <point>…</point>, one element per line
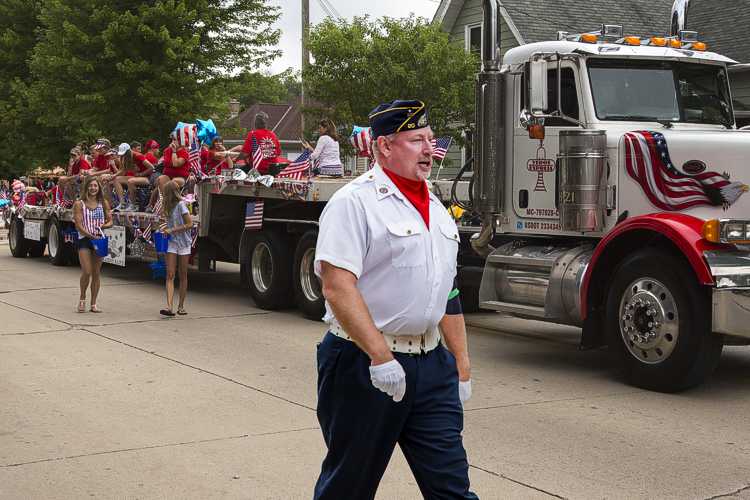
<point>220,403</point>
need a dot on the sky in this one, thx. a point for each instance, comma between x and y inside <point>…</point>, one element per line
<point>290,21</point>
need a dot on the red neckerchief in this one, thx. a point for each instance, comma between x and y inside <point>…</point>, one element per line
<point>415,191</point>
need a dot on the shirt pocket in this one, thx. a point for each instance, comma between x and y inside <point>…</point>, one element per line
<point>406,243</point>
<point>448,245</point>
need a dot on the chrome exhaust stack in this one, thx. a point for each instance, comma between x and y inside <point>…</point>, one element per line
<point>489,149</point>
<point>679,16</point>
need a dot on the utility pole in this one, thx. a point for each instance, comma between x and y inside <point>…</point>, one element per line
<point>305,54</point>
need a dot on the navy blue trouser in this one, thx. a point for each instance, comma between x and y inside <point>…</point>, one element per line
<point>361,424</point>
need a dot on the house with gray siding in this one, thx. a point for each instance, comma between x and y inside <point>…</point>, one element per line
<point>722,24</point>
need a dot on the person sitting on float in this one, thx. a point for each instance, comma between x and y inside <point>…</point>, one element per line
<point>326,152</point>
<point>218,158</point>
<point>77,165</point>
<point>266,141</point>
<point>176,166</point>
<point>104,166</point>
<point>134,171</point>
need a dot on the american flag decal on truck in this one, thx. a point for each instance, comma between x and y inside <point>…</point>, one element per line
<point>647,162</point>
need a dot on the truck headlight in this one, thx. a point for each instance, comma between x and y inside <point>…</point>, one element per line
<point>727,231</point>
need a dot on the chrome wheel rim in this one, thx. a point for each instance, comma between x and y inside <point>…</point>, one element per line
<point>261,264</point>
<point>649,321</point>
<point>53,241</point>
<point>308,281</point>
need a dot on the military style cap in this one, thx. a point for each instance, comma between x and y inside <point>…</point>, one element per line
<point>397,116</point>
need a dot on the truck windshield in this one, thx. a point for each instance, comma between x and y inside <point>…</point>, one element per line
<point>660,91</point>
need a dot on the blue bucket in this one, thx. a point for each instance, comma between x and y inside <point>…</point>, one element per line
<point>101,245</point>
<point>158,270</point>
<point>161,242</point>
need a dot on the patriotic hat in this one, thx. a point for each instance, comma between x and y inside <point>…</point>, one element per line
<point>397,116</point>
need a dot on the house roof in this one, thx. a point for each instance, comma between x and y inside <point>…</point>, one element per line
<point>539,20</point>
<point>285,119</point>
<point>722,24</point>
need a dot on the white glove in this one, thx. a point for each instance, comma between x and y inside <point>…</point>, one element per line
<point>390,378</point>
<point>464,391</point>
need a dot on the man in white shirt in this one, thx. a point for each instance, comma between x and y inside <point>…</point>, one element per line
<point>386,255</point>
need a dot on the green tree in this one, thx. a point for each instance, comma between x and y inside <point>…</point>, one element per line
<point>18,22</point>
<point>253,87</point>
<point>131,69</point>
<point>360,64</point>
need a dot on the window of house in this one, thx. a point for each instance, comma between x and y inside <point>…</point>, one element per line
<point>474,39</point>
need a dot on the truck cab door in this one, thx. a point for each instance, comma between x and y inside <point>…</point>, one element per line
<point>533,160</point>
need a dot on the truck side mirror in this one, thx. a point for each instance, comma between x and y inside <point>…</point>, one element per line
<point>538,86</point>
<point>534,125</point>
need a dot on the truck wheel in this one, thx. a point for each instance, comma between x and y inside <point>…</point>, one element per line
<point>19,247</point>
<point>659,323</point>
<point>308,293</point>
<point>59,251</point>
<point>268,269</point>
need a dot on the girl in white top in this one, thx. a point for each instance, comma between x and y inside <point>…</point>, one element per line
<point>326,152</point>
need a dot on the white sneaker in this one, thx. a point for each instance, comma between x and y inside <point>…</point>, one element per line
<point>119,207</point>
<point>131,208</point>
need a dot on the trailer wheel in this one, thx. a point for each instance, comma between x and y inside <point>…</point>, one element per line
<point>19,246</point>
<point>268,269</point>
<point>308,293</point>
<point>659,323</point>
<point>59,251</point>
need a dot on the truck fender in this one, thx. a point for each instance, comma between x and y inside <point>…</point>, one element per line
<point>683,231</point>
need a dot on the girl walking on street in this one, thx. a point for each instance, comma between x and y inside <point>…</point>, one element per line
<point>178,226</point>
<point>91,214</point>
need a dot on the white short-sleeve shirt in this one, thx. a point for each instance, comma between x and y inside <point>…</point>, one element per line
<point>404,270</point>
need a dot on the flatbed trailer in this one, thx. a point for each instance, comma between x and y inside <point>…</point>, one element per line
<point>276,254</point>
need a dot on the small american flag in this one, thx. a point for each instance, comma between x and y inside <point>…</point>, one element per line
<point>440,147</point>
<point>157,212</point>
<point>257,153</point>
<point>194,239</point>
<point>299,168</point>
<point>194,160</point>
<point>254,214</point>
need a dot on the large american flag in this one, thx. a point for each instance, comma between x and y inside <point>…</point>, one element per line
<point>299,168</point>
<point>254,214</point>
<point>647,161</point>
<point>440,147</point>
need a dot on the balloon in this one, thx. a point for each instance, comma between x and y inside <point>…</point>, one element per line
<point>186,133</point>
<point>361,140</point>
<point>206,131</point>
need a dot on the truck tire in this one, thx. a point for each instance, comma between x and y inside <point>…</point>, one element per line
<point>308,293</point>
<point>269,270</point>
<point>59,251</point>
<point>658,323</point>
<point>19,246</point>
